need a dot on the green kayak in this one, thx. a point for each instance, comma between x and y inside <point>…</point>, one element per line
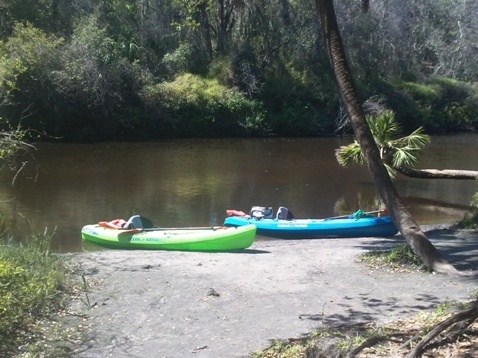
<point>184,239</point>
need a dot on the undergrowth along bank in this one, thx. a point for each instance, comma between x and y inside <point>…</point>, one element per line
<point>34,286</point>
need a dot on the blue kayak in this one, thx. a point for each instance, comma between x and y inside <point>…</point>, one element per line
<point>349,226</point>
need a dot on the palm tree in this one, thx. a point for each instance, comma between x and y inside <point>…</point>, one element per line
<point>410,230</point>
<point>395,151</point>
<point>398,154</point>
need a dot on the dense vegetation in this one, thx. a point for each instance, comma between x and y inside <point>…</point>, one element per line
<point>34,285</point>
<point>129,69</point>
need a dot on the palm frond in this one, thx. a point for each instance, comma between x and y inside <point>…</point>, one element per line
<point>383,127</point>
<point>404,156</point>
<point>390,170</point>
<point>407,149</point>
<point>350,154</point>
<point>417,140</point>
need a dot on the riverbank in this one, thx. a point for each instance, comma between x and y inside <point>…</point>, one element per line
<point>188,304</point>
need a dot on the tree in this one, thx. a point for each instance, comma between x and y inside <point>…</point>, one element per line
<point>410,230</point>
<point>14,148</point>
<point>216,18</point>
<point>399,154</point>
<point>394,151</point>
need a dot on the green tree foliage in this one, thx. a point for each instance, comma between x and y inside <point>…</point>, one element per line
<point>199,107</point>
<point>89,79</point>
<point>441,105</point>
<point>122,28</point>
<point>91,84</point>
<point>298,106</point>
<point>40,13</point>
<point>81,69</point>
<point>30,56</point>
<point>10,69</point>
<point>180,60</point>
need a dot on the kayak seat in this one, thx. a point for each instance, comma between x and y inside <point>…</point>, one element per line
<point>138,222</point>
<point>261,212</point>
<point>284,214</point>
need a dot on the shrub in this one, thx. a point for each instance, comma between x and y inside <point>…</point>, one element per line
<point>300,103</point>
<point>32,287</point>
<point>470,221</point>
<point>443,104</point>
<point>178,60</point>
<point>195,106</point>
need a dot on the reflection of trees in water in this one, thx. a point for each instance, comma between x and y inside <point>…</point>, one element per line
<point>425,211</point>
<point>428,212</point>
<point>362,201</point>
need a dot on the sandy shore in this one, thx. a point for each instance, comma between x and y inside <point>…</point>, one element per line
<point>189,304</point>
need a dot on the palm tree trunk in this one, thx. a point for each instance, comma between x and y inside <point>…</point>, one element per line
<point>415,237</point>
<point>437,173</point>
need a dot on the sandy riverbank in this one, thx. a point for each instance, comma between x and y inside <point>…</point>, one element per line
<point>189,304</point>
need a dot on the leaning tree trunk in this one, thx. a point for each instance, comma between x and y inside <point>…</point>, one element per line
<point>438,174</point>
<point>412,233</point>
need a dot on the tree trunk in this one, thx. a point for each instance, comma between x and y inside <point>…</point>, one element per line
<point>415,237</point>
<point>437,174</point>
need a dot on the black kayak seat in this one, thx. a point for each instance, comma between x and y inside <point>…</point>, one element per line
<point>284,214</point>
<point>138,222</point>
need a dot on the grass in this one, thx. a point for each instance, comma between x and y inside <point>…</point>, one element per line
<point>398,258</point>
<point>470,221</point>
<point>34,287</point>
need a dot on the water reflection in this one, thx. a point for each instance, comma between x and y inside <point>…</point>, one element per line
<point>193,182</point>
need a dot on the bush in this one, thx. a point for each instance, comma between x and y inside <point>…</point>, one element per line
<point>32,287</point>
<point>199,107</point>
<point>443,104</point>
<point>299,103</point>
<point>470,221</point>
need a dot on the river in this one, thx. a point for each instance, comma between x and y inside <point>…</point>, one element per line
<point>193,183</point>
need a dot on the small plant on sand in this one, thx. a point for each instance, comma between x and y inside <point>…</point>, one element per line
<point>398,258</point>
<point>470,221</point>
<point>291,348</point>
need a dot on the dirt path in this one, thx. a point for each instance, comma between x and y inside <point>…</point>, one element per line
<point>187,304</point>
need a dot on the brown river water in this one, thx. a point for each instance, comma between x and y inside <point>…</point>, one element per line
<point>193,182</point>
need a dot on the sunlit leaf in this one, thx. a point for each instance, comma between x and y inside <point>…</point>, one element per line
<point>350,154</point>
